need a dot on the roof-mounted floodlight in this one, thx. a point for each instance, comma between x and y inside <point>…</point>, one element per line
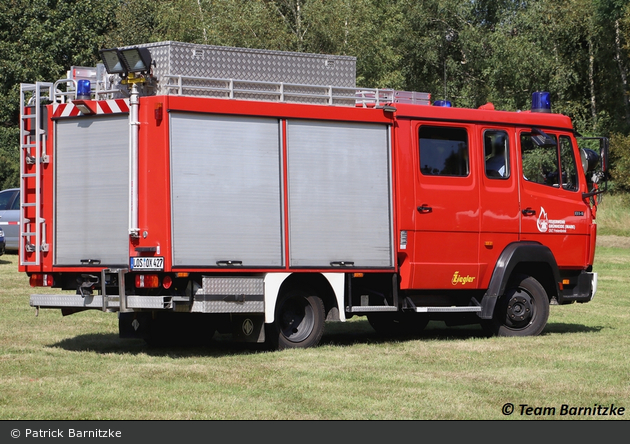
<point>113,61</point>
<point>136,59</point>
<point>125,61</point>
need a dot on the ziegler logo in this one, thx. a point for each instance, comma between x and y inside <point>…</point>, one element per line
<point>457,279</point>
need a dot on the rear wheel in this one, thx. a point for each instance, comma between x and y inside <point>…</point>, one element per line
<point>299,321</point>
<point>523,310</point>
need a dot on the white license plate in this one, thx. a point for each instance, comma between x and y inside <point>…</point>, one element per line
<point>147,263</point>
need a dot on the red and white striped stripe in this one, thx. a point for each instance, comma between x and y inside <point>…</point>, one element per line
<point>102,107</point>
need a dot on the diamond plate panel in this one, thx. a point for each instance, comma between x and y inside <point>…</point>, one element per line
<point>247,286</point>
<point>228,307</point>
<point>188,59</point>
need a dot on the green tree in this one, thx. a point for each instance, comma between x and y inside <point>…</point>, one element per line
<point>39,41</point>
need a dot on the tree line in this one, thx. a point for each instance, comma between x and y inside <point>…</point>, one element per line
<point>467,51</point>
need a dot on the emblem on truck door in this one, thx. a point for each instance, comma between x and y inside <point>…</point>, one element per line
<point>543,221</point>
<point>552,226</point>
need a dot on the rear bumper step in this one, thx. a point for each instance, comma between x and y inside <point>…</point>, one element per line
<point>96,301</point>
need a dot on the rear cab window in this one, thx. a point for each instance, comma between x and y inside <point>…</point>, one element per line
<point>443,151</point>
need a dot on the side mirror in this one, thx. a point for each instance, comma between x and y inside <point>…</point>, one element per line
<point>590,160</point>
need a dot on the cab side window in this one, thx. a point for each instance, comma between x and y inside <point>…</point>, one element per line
<point>540,163</point>
<point>496,150</point>
<point>443,151</point>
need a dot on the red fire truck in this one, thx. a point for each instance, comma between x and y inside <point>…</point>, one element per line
<point>195,189</point>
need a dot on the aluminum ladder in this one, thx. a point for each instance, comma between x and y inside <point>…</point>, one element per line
<point>32,156</point>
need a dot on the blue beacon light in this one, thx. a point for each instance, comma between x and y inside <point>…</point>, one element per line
<point>84,90</point>
<point>541,102</point>
<point>444,103</point>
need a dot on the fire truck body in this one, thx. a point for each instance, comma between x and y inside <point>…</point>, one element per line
<point>264,217</point>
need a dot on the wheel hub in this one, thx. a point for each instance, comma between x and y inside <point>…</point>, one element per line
<point>296,320</point>
<point>519,309</point>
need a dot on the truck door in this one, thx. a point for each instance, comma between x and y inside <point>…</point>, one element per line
<point>499,200</point>
<point>552,209</point>
<point>446,234</point>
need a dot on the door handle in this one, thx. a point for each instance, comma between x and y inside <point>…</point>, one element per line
<point>425,209</point>
<point>528,212</point>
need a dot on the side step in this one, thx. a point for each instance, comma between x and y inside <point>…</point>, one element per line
<point>370,308</point>
<point>471,309</point>
<point>386,308</point>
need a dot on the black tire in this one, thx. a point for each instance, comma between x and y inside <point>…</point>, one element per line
<point>299,321</point>
<point>523,310</point>
<point>397,323</point>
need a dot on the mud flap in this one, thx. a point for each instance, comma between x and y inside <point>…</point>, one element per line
<point>134,325</point>
<point>248,328</point>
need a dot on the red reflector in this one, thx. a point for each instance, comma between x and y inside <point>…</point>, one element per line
<point>158,111</point>
<point>167,282</point>
<point>41,280</point>
<point>147,281</point>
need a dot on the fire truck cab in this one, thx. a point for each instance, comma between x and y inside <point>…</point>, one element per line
<point>194,189</point>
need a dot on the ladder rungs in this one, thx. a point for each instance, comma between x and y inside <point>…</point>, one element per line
<point>29,204</point>
<point>26,176</point>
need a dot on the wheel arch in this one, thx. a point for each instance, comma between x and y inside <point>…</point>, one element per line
<point>527,258</point>
<point>328,286</point>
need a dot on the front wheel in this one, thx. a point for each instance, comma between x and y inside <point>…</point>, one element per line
<point>523,310</point>
<point>299,321</point>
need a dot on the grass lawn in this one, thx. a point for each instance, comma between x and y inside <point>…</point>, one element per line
<point>76,367</point>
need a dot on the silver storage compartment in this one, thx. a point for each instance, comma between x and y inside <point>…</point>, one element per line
<point>92,190</point>
<point>230,294</point>
<point>226,191</point>
<point>340,212</point>
<point>198,64</point>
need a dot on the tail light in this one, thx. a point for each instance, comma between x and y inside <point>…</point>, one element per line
<point>41,280</point>
<point>147,281</point>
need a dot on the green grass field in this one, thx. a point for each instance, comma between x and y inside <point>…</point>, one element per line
<point>76,367</point>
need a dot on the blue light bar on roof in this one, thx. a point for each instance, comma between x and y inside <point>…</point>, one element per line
<point>444,103</point>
